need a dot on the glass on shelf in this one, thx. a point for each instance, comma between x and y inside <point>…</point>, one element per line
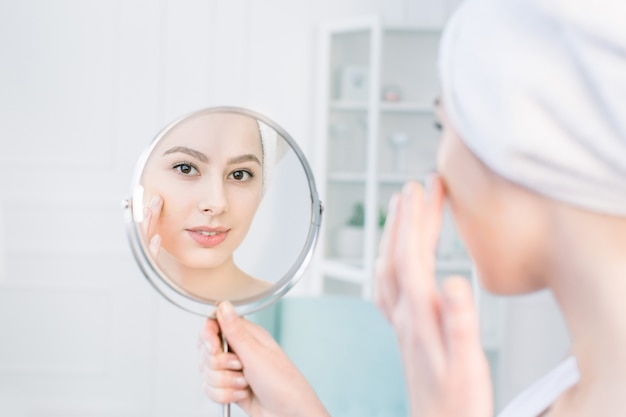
<point>399,141</point>
<point>407,147</point>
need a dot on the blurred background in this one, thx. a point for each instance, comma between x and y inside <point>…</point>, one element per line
<point>85,85</point>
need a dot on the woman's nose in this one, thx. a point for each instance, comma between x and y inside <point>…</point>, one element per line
<point>214,200</point>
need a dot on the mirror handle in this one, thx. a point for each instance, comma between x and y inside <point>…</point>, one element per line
<point>225,407</point>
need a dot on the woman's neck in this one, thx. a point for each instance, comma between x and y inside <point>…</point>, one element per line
<point>588,279</point>
<point>221,282</point>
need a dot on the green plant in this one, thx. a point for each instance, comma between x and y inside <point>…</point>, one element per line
<point>382,217</point>
<point>357,217</point>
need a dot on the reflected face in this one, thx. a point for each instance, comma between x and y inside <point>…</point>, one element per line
<point>209,173</point>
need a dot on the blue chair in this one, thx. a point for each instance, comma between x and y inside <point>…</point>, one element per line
<point>346,350</point>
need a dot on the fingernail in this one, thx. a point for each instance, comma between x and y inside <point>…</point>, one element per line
<point>209,347</point>
<point>234,365</point>
<point>454,297</point>
<point>455,294</point>
<point>240,395</point>
<point>155,243</point>
<point>240,381</point>
<point>201,342</point>
<point>429,182</point>
<point>393,202</point>
<point>407,189</point>
<point>227,311</point>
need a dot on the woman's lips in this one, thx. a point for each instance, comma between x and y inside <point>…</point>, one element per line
<point>208,238</point>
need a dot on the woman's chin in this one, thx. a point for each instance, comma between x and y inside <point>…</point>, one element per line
<point>202,264</point>
<point>507,287</point>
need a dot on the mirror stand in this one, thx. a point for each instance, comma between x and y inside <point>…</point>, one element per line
<point>206,195</point>
<point>225,407</point>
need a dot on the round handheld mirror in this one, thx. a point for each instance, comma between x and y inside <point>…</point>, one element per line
<point>223,206</point>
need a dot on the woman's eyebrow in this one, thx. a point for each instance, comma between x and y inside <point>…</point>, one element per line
<point>191,152</point>
<point>244,158</point>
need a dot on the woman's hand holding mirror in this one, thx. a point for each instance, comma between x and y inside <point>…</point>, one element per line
<point>259,377</point>
<point>224,208</point>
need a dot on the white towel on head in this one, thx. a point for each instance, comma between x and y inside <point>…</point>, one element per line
<point>274,148</point>
<point>537,90</point>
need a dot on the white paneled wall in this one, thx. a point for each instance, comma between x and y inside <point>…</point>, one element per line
<point>84,86</point>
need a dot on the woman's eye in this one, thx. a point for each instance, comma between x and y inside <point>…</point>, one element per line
<point>241,175</point>
<point>186,169</point>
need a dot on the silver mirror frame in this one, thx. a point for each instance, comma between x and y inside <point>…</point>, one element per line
<point>247,305</point>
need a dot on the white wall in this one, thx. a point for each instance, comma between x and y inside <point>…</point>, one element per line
<point>84,86</point>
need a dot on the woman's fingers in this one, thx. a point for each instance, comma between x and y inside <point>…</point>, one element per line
<point>385,280</point>
<point>151,215</point>
<point>468,367</point>
<point>209,339</point>
<point>225,395</point>
<point>237,330</point>
<point>150,219</point>
<point>212,356</point>
<point>414,254</point>
<point>154,246</point>
<point>229,380</point>
<point>415,266</point>
<point>433,216</point>
<point>437,329</point>
<point>220,361</point>
<point>461,325</point>
<point>155,206</point>
<point>222,372</point>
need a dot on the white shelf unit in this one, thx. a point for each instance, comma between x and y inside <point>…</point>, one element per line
<point>357,163</point>
<point>377,85</point>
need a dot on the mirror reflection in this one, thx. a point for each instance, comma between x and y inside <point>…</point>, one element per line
<point>223,207</point>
